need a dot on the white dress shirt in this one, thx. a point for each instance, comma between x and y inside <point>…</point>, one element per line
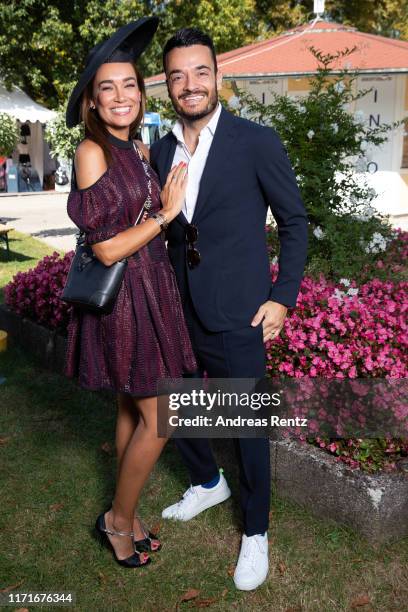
<point>196,161</point>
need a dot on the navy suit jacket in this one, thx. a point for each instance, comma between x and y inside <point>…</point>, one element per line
<point>246,171</point>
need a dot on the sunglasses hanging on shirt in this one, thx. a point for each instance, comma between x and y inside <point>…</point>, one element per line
<point>193,255</point>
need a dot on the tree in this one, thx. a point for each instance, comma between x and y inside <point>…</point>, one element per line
<point>230,23</point>
<point>44,43</point>
<point>393,21</point>
<point>280,15</point>
<point>385,17</point>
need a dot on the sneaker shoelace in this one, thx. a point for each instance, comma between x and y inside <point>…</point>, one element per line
<point>250,547</point>
<point>187,495</point>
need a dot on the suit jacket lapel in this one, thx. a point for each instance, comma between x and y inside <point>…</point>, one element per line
<point>217,156</point>
<point>167,160</point>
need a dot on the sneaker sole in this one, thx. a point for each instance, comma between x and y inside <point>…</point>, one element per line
<point>250,586</point>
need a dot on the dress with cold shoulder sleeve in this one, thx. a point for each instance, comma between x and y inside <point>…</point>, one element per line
<point>145,337</point>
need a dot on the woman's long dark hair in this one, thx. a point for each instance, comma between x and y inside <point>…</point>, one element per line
<point>95,128</point>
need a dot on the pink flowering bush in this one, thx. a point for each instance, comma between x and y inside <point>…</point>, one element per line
<point>370,455</point>
<point>35,294</point>
<point>341,330</point>
<point>350,330</point>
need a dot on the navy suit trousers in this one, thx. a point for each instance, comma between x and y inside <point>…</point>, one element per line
<point>238,353</point>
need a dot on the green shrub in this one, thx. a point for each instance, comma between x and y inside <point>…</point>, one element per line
<point>8,134</point>
<point>63,141</point>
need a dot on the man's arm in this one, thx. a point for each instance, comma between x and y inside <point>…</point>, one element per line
<point>278,183</point>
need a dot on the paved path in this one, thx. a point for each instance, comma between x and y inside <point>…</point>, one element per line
<point>42,215</point>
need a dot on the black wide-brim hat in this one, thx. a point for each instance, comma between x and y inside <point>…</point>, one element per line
<point>128,42</point>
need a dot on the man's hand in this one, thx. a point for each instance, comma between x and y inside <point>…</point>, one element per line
<point>272,315</point>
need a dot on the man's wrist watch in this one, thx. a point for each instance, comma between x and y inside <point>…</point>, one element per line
<point>161,219</point>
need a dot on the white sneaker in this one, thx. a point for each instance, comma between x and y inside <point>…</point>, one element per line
<point>252,567</point>
<point>196,499</point>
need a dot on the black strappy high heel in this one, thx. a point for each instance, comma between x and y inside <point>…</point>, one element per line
<point>102,532</point>
<point>145,545</point>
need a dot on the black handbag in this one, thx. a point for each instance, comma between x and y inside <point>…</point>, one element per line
<point>91,285</point>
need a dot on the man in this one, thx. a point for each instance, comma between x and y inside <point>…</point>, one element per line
<point>217,246</point>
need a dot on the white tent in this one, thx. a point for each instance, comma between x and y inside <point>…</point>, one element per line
<point>20,106</point>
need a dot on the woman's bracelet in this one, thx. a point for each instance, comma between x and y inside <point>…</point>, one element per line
<point>161,219</point>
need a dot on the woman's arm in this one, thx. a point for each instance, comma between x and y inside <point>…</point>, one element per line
<point>90,165</point>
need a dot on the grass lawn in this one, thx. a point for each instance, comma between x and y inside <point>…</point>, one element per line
<point>25,252</point>
<point>58,475</point>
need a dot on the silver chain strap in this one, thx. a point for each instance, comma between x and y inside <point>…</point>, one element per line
<point>148,202</point>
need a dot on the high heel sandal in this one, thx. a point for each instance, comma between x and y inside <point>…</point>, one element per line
<point>145,545</point>
<point>102,532</point>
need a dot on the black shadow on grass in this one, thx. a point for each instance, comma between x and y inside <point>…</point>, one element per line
<point>64,231</point>
<point>9,256</point>
<point>5,220</point>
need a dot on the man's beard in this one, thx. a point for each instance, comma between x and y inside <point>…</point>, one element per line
<point>191,117</point>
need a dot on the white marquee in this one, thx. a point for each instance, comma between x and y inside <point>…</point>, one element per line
<point>20,106</point>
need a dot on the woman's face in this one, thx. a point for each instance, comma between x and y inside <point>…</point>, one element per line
<point>116,94</point>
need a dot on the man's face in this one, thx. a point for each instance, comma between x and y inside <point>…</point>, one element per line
<point>191,81</point>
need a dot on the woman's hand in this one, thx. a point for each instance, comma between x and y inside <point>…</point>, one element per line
<point>134,238</point>
<point>174,191</point>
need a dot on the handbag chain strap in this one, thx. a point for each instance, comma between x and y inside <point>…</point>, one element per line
<point>148,202</point>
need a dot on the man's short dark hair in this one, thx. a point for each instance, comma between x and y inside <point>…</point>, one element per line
<point>187,37</point>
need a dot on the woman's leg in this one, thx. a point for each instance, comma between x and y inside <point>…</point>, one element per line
<point>138,460</point>
<point>126,423</point>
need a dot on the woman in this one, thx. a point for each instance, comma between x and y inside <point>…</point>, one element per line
<point>145,337</point>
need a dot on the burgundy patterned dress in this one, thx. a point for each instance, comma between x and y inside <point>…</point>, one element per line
<point>145,337</point>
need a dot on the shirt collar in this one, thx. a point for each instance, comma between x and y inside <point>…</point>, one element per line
<point>211,125</point>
